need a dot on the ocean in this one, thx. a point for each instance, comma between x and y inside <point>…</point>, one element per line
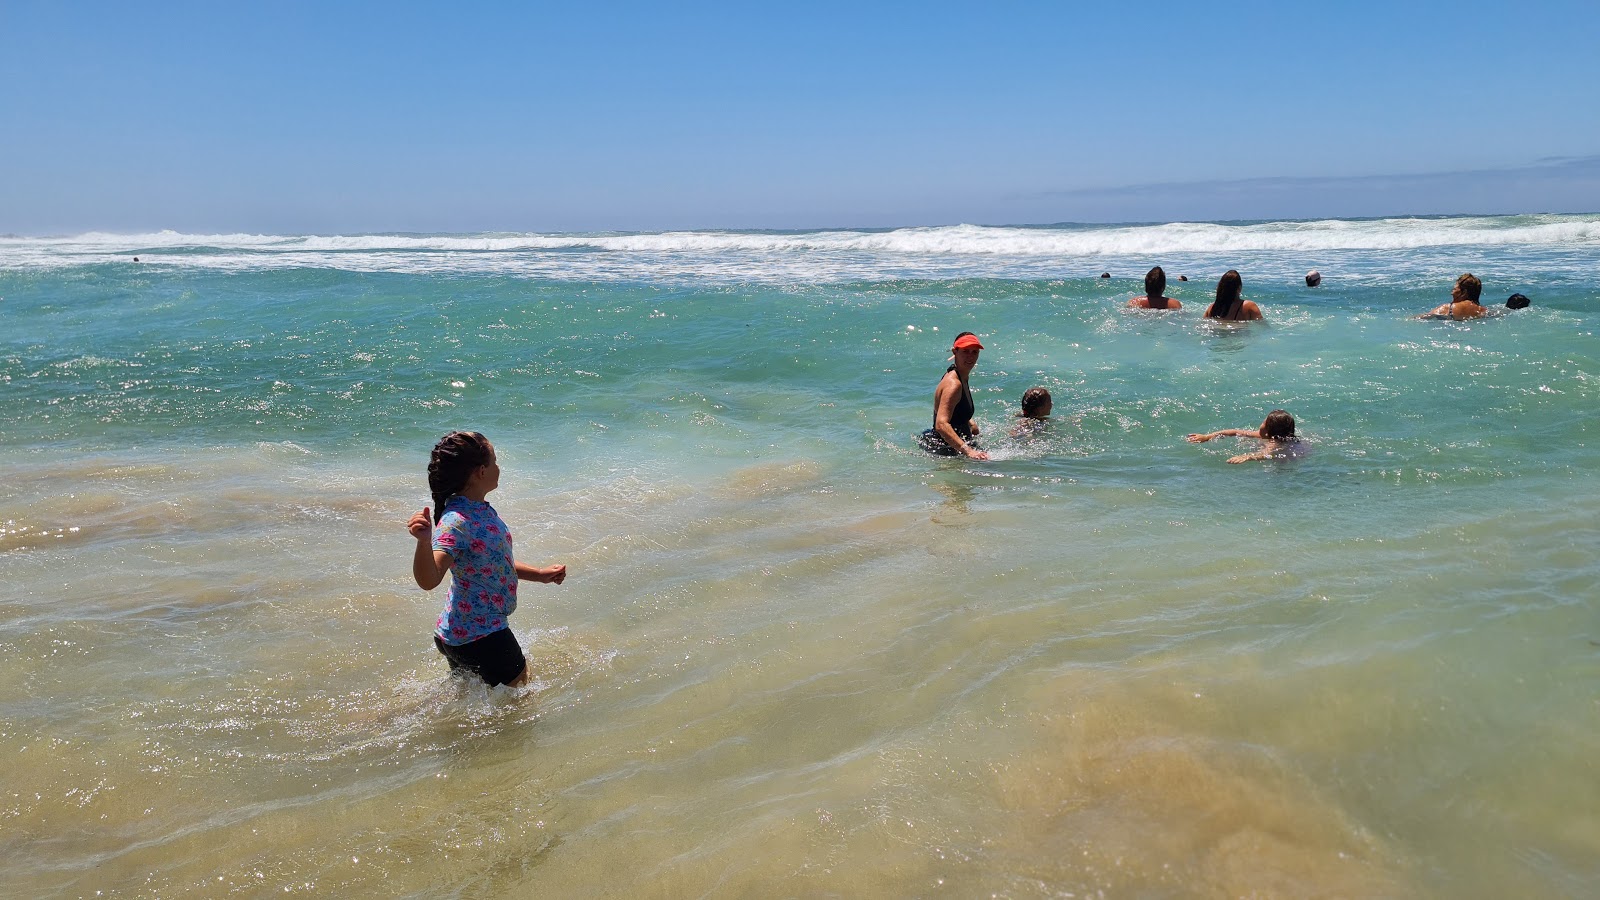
<point>794,654</point>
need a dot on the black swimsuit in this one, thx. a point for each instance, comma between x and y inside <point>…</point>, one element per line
<point>960,420</point>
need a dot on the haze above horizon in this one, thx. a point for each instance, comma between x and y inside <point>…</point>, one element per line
<point>292,118</point>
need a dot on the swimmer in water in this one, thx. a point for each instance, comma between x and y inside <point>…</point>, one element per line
<point>1230,304</point>
<point>1036,406</point>
<point>1276,434</point>
<point>1463,301</point>
<point>1155,285</point>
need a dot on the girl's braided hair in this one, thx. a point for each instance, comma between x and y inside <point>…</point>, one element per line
<point>456,456</point>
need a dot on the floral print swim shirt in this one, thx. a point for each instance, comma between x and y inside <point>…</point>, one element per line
<point>483,576</point>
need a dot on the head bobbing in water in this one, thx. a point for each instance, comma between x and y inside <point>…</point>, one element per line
<point>1279,425</point>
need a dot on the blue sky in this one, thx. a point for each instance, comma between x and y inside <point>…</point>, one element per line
<point>327,118</point>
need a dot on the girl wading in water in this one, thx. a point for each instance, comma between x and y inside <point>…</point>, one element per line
<point>466,538</point>
<point>953,432</point>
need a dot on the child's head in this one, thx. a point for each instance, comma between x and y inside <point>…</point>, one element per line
<point>455,458</point>
<point>1036,403</point>
<point>1279,425</point>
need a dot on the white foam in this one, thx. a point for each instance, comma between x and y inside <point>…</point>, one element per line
<point>904,252</point>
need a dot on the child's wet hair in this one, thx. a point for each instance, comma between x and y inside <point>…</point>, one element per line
<point>1034,399</point>
<point>456,456</point>
<point>1279,424</point>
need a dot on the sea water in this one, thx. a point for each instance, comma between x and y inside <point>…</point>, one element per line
<point>795,655</point>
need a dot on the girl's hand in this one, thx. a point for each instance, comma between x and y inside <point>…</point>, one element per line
<point>976,454</point>
<point>1246,457</point>
<point>1199,438</point>
<point>421,525</point>
<point>543,574</point>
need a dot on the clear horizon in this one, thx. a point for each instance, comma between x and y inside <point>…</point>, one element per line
<point>365,118</point>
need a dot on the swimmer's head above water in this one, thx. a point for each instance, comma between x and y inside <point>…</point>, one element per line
<point>1036,403</point>
<point>1278,426</point>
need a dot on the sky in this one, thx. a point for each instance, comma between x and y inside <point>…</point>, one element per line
<point>326,118</point>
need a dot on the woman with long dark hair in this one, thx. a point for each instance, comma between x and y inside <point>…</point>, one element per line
<point>1230,305</point>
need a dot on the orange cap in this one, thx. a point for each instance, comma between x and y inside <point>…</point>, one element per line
<point>965,341</point>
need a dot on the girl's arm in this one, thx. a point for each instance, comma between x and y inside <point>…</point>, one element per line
<point>1226,432</point>
<point>547,574</point>
<point>1267,451</point>
<point>428,566</point>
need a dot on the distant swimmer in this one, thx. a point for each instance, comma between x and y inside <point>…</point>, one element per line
<point>1155,286</point>
<point>1183,278</point>
<point>466,538</point>
<point>1517,301</point>
<point>1036,406</point>
<point>1230,305</point>
<point>1313,278</point>
<point>953,432</point>
<point>1276,434</point>
<point>1463,301</point>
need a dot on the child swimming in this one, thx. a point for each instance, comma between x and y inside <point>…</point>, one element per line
<point>466,538</point>
<point>1276,431</point>
<point>1036,406</point>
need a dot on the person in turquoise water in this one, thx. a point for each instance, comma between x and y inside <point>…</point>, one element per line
<point>953,432</point>
<point>1155,288</point>
<point>1276,434</point>
<point>1463,300</point>
<point>466,538</point>
<point>1230,304</point>
<point>1036,406</point>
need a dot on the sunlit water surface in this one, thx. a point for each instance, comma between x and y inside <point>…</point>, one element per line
<point>795,655</point>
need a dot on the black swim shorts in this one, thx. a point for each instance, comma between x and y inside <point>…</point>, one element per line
<point>496,658</point>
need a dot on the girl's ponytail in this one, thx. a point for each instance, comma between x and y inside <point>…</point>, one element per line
<point>454,459</point>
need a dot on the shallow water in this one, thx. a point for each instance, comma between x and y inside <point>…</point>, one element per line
<point>794,654</point>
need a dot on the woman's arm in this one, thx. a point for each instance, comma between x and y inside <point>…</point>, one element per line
<point>545,574</point>
<point>428,566</point>
<point>944,404</point>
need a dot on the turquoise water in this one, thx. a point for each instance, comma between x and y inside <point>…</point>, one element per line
<point>794,654</point>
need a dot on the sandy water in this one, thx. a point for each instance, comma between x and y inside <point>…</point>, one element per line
<point>794,655</point>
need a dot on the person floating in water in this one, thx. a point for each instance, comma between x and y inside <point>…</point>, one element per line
<point>1463,301</point>
<point>1276,434</point>
<point>953,432</point>
<point>466,538</point>
<point>1155,285</point>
